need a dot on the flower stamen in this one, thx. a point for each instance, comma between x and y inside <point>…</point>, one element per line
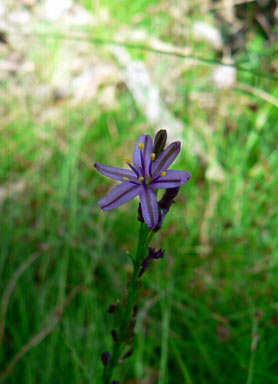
<point>143,181</point>
<point>151,164</point>
<point>130,181</point>
<point>141,147</point>
<point>163,173</point>
<point>128,162</point>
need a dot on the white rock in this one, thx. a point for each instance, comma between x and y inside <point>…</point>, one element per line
<point>19,17</point>
<point>79,16</point>
<point>224,77</point>
<point>205,32</point>
<point>2,9</point>
<point>147,94</point>
<point>54,9</point>
<point>66,12</point>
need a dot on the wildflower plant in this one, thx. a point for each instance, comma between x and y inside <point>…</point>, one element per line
<point>148,173</point>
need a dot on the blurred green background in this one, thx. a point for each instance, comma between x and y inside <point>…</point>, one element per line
<point>68,98</point>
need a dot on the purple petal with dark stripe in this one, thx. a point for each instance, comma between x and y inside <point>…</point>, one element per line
<point>147,140</point>
<point>172,179</point>
<point>149,207</point>
<point>115,173</point>
<point>120,195</point>
<point>166,158</point>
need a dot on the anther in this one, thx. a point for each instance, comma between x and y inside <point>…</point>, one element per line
<point>153,156</point>
<point>141,146</point>
<point>127,161</point>
<point>163,173</point>
<point>141,178</point>
<point>126,178</point>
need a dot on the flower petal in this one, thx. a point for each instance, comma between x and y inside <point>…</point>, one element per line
<point>172,179</point>
<point>166,158</point>
<point>147,140</point>
<point>120,195</point>
<point>149,207</point>
<point>115,173</point>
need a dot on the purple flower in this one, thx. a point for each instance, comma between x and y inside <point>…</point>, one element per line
<point>146,175</point>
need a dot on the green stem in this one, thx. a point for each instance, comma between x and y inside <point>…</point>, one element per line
<point>145,236</point>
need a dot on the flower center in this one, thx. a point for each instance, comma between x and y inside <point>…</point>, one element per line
<point>145,178</point>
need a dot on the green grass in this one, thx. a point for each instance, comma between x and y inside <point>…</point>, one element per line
<point>204,306</point>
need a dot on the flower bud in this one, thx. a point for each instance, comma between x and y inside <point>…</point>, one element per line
<point>105,358</point>
<point>168,198</point>
<point>159,142</point>
<point>112,308</point>
<point>135,311</point>
<point>128,354</point>
<point>114,335</point>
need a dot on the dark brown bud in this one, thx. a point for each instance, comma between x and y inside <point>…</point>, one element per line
<point>114,335</point>
<point>159,142</point>
<point>105,358</point>
<point>135,311</point>
<point>128,354</point>
<point>112,308</point>
<point>168,198</point>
